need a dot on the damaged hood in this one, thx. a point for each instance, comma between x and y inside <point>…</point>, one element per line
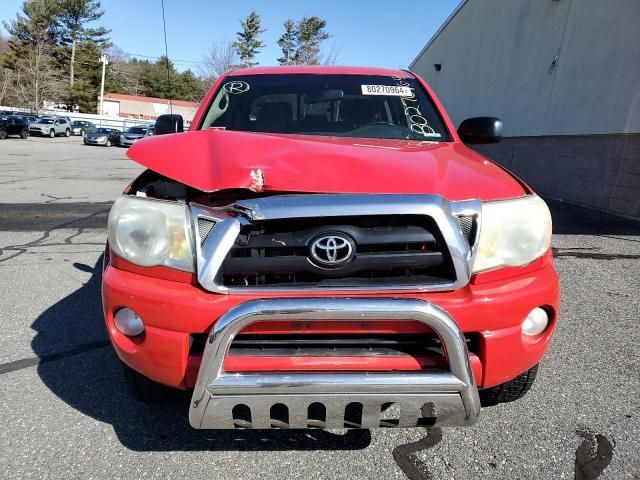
<point>211,160</point>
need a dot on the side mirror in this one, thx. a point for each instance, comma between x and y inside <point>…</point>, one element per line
<point>169,123</point>
<point>480,130</point>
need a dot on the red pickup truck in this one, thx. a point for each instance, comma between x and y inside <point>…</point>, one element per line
<point>321,249</point>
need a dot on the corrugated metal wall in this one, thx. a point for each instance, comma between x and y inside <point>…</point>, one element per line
<point>497,59</point>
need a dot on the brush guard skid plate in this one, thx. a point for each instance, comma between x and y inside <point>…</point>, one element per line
<point>423,398</point>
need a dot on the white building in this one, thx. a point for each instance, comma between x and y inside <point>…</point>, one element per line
<point>564,76</point>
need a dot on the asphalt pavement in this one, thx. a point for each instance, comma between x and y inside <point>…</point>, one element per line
<point>65,412</point>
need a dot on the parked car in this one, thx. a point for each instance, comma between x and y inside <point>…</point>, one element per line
<point>322,244</point>
<point>133,134</point>
<point>13,125</point>
<point>50,126</point>
<point>102,136</point>
<point>80,127</point>
<point>29,118</point>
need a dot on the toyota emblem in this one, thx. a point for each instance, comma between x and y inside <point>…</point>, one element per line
<point>332,250</point>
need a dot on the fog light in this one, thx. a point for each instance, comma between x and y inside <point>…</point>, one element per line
<point>535,323</point>
<point>128,322</point>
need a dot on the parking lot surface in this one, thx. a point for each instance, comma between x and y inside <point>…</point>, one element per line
<point>65,412</point>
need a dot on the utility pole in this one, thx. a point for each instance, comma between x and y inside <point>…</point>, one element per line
<point>104,61</point>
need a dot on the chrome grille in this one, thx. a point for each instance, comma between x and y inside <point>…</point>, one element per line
<point>467,226</point>
<point>396,249</point>
<point>204,228</point>
<point>257,243</point>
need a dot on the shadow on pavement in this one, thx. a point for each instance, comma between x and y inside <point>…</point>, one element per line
<point>79,366</point>
<point>573,220</point>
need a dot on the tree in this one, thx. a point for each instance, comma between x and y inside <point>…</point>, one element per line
<point>34,33</point>
<point>124,74</point>
<point>5,73</point>
<point>189,87</point>
<point>301,42</point>
<point>311,34</point>
<point>220,57</point>
<point>86,88</point>
<point>248,44</point>
<point>288,42</point>
<point>74,17</point>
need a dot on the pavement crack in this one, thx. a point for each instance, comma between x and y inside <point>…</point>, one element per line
<point>589,253</point>
<point>33,361</point>
<point>411,466</point>
<point>21,249</point>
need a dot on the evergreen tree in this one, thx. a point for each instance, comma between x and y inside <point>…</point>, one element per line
<point>301,41</point>
<point>74,18</point>
<point>311,33</point>
<point>248,44</point>
<point>288,42</point>
<point>86,87</point>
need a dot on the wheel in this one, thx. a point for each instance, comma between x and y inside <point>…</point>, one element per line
<point>146,390</point>
<point>84,140</point>
<point>509,391</point>
<point>52,133</point>
<point>108,144</point>
<point>24,134</point>
<point>67,133</point>
<point>82,132</point>
<point>3,134</point>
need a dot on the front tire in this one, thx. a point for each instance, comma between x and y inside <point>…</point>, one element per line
<point>24,134</point>
<point>52,133</point>
<point>3,134</point>
<point>509,391</point>
<point>146,390</point>
<point>67,133</point>
<point>108,144</point>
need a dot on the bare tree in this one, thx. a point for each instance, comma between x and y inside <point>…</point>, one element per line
<point>5,73</point>
<point>5,80</point>
<point>36,77</point>
<point>220,57</point>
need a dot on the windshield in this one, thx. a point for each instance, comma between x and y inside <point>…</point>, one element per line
<point>365,106</point>
<point>101,130</point>
<point>139,130</point>
<point>46,121</point>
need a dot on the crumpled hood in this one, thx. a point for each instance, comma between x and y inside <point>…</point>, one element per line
<point>211,160</point>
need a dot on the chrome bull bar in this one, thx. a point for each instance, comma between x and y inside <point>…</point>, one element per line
<point>423,398</point>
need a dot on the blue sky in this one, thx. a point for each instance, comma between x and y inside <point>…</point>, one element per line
<point>371,32</point>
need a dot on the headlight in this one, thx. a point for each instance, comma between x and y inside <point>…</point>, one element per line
<point>151,233</point>
<point>513,233</point>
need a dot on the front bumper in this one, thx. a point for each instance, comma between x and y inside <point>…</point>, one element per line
<point>492,306</point>
<point>442,398</point>
<point>89,141</point>
<point>127,142</point>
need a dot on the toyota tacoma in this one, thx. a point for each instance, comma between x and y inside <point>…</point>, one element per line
<point>322,250</point>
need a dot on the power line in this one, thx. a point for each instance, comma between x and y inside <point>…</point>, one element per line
<point>174,60</point>
<point>166,52</point>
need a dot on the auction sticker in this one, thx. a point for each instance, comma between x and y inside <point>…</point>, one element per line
<point>394,90</point>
